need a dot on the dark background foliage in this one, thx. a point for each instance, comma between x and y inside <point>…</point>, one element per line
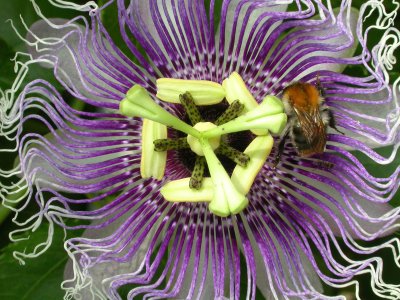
<point>40,278</point>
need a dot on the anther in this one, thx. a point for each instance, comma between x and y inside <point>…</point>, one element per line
<point>230,113</point>
<point>187,102</point>
<point>238,157</point>
<point>198,173</point>
<point>170,144</point>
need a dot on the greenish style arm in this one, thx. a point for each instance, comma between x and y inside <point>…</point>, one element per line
<point>268,115</point>
<point>226,200</point>
<point>138,103</point>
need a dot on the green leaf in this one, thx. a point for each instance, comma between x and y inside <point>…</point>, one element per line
<point>217,12</point>
<point>6,54</point>
<point>40,277</point>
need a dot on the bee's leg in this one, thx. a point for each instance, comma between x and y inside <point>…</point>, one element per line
<point>324,164</point>
<point>332,122</point>
<point>281,145</point>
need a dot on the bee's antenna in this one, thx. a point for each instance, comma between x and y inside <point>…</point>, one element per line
<point>281,146</point>
<point>319,86</point>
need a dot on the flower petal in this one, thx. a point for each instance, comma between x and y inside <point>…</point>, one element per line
<point>174,35</point>
<point>370,116</point>
<point>267,288</point>
<point>242,23</point>
<point>341,35</point>
<point>278,260</point>
<point>85,61</point>
<point>107,252</point>
<point>156,249</point>
<point>78,155</point>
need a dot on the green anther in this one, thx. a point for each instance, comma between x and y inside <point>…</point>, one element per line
<point>238,157</point>
<point>138,103</point>
<point>187,101</point>
<point>198,173</point>
<point>230,113</point>
<point>170,144</point>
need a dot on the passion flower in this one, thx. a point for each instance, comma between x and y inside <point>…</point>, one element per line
<point>163,221</point>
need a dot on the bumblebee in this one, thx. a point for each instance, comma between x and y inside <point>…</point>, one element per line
<point>308,119</point>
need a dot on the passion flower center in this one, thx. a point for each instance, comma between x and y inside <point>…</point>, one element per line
<point>194,142</point>
<point>226,194</point>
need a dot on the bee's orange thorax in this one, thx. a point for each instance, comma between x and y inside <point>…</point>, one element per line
<point>303,96</point>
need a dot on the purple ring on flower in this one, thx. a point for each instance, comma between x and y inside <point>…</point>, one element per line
<point>88,166</point>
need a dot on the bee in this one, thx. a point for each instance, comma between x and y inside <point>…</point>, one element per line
<point>308,119</point>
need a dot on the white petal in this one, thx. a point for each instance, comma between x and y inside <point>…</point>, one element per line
<point>78,64</point>
<point>200,268</point>
<point>267,281</point>
<point>381,114</point>
<point>378,214</point>
<point>100,273</point>
<point>232,34</point>
<point>343,39</point>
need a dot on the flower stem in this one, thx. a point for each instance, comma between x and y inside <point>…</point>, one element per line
<point>258,151</point>
<point>179,191</point>
<point>204,92</point>
<point>152,163</point>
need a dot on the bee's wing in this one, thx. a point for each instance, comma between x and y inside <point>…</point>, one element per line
<point>313,128</point>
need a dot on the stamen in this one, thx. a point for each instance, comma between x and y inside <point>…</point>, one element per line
<point>179,191</point>
<point>170,144</point>
<point>268,115</point>
<point>238,157</point>
<point>236,88</point>
<point>230,113</point>
<point>190,108</point>
<point>204,92</point>
<point>138,103</point>
<point>198,172</point>
<point>226,199</point>
<point>258,151</point>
